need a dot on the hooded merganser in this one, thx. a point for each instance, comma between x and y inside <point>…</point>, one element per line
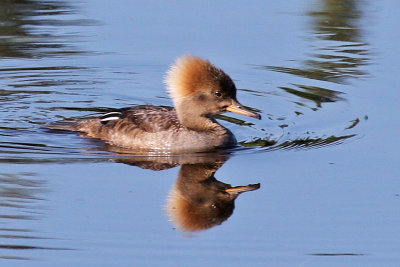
<point>198,89</point>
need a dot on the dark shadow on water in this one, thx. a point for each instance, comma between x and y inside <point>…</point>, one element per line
<point>316,94</point>
<point>337,254</point>
<point>340,52</point>
<point>21,199</point>
<point>25,29</point>
<point>298,144</point>
<point>157,161</point>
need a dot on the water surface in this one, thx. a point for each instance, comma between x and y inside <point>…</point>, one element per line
<point>323,74</point>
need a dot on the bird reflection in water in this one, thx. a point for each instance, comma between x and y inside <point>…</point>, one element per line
<point>197,200</point>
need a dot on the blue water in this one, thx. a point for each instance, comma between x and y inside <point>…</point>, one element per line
<point>323,74</point>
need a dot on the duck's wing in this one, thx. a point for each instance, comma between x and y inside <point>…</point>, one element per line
<point>146,118</point>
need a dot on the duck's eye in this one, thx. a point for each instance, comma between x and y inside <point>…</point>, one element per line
<point>218,93</point>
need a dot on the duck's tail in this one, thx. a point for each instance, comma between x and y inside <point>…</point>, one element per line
<point>91,127</point>
<point>64,126</point>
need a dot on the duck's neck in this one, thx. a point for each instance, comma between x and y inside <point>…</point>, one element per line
<point>196,122</point>
<point>189,117</point>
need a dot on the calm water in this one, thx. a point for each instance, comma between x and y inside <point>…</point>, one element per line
<point>323,74</point>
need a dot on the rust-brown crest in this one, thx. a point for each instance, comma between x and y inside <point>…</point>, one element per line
<point>189,74</point>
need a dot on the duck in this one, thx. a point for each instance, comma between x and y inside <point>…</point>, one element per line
<point>199,91</point>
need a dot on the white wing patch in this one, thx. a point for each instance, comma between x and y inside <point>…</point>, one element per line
<point>111,116</point>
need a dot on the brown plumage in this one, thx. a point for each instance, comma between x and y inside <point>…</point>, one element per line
<point>198,201</point>
<point>198,89</point>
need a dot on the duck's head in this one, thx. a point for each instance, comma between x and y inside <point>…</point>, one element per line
<point>199,89</point>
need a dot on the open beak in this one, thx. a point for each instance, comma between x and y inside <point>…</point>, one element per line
<point>236,107</point>
<point>240,189</point>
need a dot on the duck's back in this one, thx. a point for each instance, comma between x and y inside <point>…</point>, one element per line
<point>147,118</point>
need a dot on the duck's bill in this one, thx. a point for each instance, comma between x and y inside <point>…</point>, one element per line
<point>240,109</point>
<point>242,188</point>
